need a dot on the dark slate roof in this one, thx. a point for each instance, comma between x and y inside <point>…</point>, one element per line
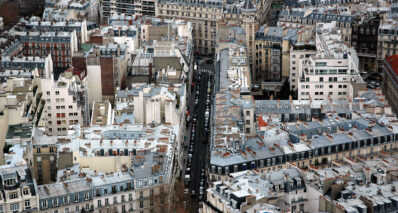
<point>329,17</point>
<point>249,6</point>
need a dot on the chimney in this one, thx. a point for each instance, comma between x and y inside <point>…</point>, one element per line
<point>150,73</point>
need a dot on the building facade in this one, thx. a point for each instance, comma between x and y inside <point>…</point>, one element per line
<point>142,7</point>
<point>18,190</point>
<point>390,81</point>
<point>333,71</point>
<point>298,53</point>
<point>60,45</point>
<point>203,16</point>
<point>364,41</point>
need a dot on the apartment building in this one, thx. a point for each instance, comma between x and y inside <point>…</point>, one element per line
<point>364,40</point>
<point>113,192</point>
<point>41,64</point>
<point>390,81</point>
<point>319,150</point>
<point>68,196</point>
<point>283,190</point>
<point>65,104</point>
<point>203,16</point>
<point>44,158</point>
<point>82,28</point>
<point>333,71</point>
<point>371,181</point>
<point>267,65</point>
<point>18,189</point>
<point>272,46</point>
<point>128,166</point>
<point>386,41</point>
<point>142,7</point>
<point>60,45</point>
<point>57,10</point>
<point>312,125</point>
<point>234,77</point>
<point>298,54</point>
<point>10,46</point>
<point>106,68</point>
<point>154,104</point>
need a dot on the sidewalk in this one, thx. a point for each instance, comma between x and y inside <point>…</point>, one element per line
<point>187,129</point>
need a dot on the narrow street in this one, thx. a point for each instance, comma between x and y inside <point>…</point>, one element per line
<point>200,144</point>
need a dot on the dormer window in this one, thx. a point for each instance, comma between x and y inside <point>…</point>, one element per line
<point>25,191</point>
<point>9,182</point>
<point>13,195</point>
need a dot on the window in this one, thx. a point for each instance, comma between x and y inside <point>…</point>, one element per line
<point>56,92</point>
<point>70,107</point>
<point>38,150</point>
<point>55,202</point>
<point>141,194</point>
<point>66,200</point>
<point>99,203</point>
<point>141,204</point>
<point>13,195</point>
<point>27,204</point>
<point>48,92</point>
<point>123,199</point>
<point>114,200</point>
<point>130,197</point>
<point>25,191</point>
<point>76,198</point>
<point>14,207</point>
<point>106,201</point>
<point>86,197</point>
<point>44,204</point>
<point>77,208</point>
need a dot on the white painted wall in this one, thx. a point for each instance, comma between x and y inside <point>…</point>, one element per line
<point>94,84</point>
